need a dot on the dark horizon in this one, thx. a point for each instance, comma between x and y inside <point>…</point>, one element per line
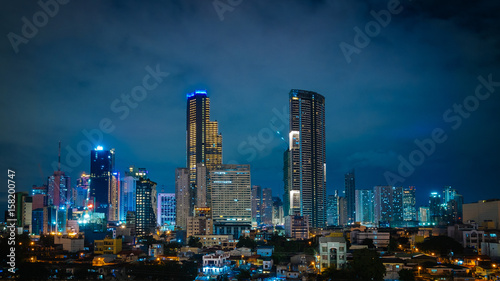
<point>423,76</point>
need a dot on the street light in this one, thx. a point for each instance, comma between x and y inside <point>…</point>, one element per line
<point>419,270</point>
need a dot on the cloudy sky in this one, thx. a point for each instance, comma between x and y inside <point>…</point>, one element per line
<point>427,69</point>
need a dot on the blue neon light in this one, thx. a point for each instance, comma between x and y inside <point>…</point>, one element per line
<point>197,92</point>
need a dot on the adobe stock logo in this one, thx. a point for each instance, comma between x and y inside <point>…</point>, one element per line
<point>453,116</point>
<point>39,19</point>
<point>372,29</point>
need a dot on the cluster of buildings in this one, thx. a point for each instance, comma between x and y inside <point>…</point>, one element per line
<point>218,204</point>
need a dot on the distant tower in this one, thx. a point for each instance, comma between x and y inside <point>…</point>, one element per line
<point>409,201</point>
<point>102,164</point>
<point>182,197</point>
<point>350,196</point>
<point>203,141</point>
<point>306,186</point>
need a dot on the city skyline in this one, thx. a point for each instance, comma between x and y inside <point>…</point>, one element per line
<point>378,105</point>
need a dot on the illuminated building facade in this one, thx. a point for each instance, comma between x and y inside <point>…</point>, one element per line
<point>409,201</point>
<point>102,164</point>
<point>146,207</point>
<point>307,158</point>
<point>166,210</point>
<point>182,197</point>
<point>203,141</point>
<point>231,199</point>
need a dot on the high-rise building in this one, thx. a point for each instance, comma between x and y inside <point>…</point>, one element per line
<point>231,199</point>
<point>166,210</point>
<point>267,206</point>
<point>436,210</point>
<point>203,141</point>
<point>342,210</point>
<point>202,192</point>
<point>286,181</point>
<point>409,201</point>
<point>114,197</point>
<point>424,216</point>
<point>128,187</point>
<point>364,206</point>
<point>182,197</point>
<point>102,164</point>
<point>256,204</point>
<point>146,207</point>
<point>332,209</point>
<point>39,194</point>
<point>350,196</point>
<point>278,218</point>
<point>388,204</point>
<point>58,185</point>
<point>82,191</point>
<point>307,157</point>
<point>200,223</point>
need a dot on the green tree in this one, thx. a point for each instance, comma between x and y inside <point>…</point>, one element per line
<point>367,265</point>
<point>332,273</point>
<point>406,275</point>
<point>194,242</point>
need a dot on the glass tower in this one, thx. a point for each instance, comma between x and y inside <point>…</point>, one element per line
<point>307,158</point>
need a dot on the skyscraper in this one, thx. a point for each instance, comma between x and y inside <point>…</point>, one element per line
<point>267,206</point>
<point>332,209</point>
<point>166,210</point>
<point>409,210</point>
<point>436,211</point>
<point>364,206</point>
<point>231,199</point>
<point>182,197</point>
<point>203,141</point>
<point>102,164</point>
<point>350,196</point>
<point>388,204</point>
<point>256,204</point>
<point>57,189</point>
<point>307,157</point>
<point>146,207</point>
<point>114,197</point>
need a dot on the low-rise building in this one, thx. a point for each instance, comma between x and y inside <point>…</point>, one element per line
<point>107,246</point>
<point>71,244</point>
<point>332,251</point>
<point>216,264</point>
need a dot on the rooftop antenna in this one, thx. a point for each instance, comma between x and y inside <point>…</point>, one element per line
<point>59,157</point>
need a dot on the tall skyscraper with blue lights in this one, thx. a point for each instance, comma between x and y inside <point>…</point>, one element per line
<point>102,164</point>
<point>306,186</point>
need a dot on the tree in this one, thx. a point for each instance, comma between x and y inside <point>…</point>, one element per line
<point>332,273</point>
<point>441,244</point>
<point>367,265</point>
<point>369,243</point>
<point>194,242</point>
<point>244,275</point>
<point>406,275</point>
<point>246,242</point>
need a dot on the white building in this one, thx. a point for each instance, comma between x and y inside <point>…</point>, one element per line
<point>332,251</point>
<point>216,264</point>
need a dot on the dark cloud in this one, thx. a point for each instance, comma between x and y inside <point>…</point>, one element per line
<point>394,91</point>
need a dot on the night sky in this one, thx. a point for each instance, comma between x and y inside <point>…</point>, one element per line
<point>408,82</point>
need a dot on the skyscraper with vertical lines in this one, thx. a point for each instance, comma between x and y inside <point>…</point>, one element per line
<point>307,157</point>
<point>203,141</point>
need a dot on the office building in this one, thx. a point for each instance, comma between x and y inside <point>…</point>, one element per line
<point>146,207</point>
<point>307,157</point>
<point>166,210</point>
<point>114,197</point>
<point>58,189</point>
<point>203,141</point>
<point>278,217</point>
<point>102,164</point>
<point>182,197</point>
<point>82,191</point>
<point>364,206</point>
<point>409,201</point>
<point>424,216</point>
<point>200,223</point>
<point>231,199</point>
<point>256,204</point>
<point>388,205</point>
<point>297,226</point>
<point>128,187</point>
<point>350,196</point>
<point>436,209</point>
<point>267,206</point>
<point>332,209</point>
